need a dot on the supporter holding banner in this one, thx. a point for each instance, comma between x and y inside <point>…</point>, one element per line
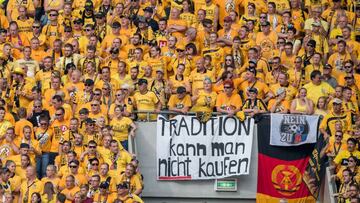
<point>293,129</point>
<point>188,149</point>
<point>280,169</point>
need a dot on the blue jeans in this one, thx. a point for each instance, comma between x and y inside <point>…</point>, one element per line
<point>125,144</point>
<point>41,163</point>
<point>52,156</point>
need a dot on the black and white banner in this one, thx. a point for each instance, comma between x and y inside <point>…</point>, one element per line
<point>293,129</point>
<point>190,150</point>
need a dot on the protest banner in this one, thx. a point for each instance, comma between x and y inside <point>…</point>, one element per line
<point>188,149</point>
<point>293,129</point>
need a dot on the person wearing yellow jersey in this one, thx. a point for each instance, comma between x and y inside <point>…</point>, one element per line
<point>117,158</point>
<point>59,126</point>
<point>227,34</point>
<point>266,39</point>
<point>228,102</point>
<point>21,89</point>
<point>198,75</point>
<point>216,52</point>
<point>123,194</point>
<point>328,124</point>
<point>69,57</point>
<point>37,52</point>
<point>53,30</point>
<point>4,125</point>
<point>339,57</point>
<point>70,189</point>
<point>181,102</point>
<point>23,21</point>
<point>342,157</point>
<point>204,101</point>
<point>176,26</point>
<point>120,127</point>
<point>17,40</point>
<point>13,5</point>
<point>146,100</point>
<point>44,135</point>
<point>317,88</point>
<point>30,186</point>
<point>34,146</point>
<point>315,65</point>
<point>8,144</point>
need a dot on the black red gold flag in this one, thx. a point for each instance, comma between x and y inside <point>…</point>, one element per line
<point>281,169</point>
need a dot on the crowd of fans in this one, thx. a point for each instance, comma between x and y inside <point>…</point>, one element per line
<point>76,74</point>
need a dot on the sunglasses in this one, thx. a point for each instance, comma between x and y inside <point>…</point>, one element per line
<point>43,123</point>
<point>94,104</point>
<point>118,95</point>
<point>58,114</point>
<point>262,16</point>
<point>53,14</point>
<point>347,66</point>
<point>73,166</point>
<point>297,61</point>
<point>95,164</point>
<point>179,50</point>
<point>37,106</point>
<point>105,88</point>
<point>67,31</point>
<point>227,87</point>
<point>87,30</point>
<point>36,27</point>
<point>92,147</point>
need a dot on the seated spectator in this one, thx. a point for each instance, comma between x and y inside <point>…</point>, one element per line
<point>342,158</point>
<point>228,102</point>
<point>336,145</point>
<point>327,126</point>
<point>253,105</point>
<point>181,102</point>
<point>279,104</point>
<point>146,100</point>
<point>353,168</point>
<point>204,100</point>
<point>321,107</point>
<point>301,104</point>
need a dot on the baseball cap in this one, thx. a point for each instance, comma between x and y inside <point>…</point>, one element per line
<point>89,82</point>
<point>104,185</point>
<point>311,43</point>
<point>89,4</point>
<point>116,24</point>
<point>122,186</point>
<point>180,90</point>
<point>84,111</point>
<point>253,90</point>
<point>148,9</point>
<point>142,81</point>
<point>89,121</point>
<point>24,145</point>
<point>99,15</point>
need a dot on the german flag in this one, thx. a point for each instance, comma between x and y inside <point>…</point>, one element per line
<point>280,169</point>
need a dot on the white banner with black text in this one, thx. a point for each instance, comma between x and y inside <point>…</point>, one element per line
<point>188,149</point>
<point>293,129</point>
